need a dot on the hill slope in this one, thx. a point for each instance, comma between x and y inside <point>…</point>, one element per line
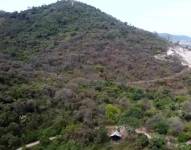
<point>82,36</point>
<point>58,70</point>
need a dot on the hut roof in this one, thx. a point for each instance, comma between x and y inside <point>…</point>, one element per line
<point>116,133</point>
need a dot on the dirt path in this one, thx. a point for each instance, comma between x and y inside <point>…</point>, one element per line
<point>144,132</point>
<point>160,79</point>
<point>109,128</point>
<point>34,143</point>
<point>171,77</point>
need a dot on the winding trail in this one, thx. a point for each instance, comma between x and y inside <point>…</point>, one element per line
<point>186,70</point>
<point>34,143</point>
<point>140,82</point>
<point>144,132</point>
<point>111,128</point>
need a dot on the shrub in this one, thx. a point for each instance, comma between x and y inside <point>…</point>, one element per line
<point>184,137</point>
<point>44,140</point>
<point>141,142</point>
<point>64,94</point>
<point>184,147</point>
<point>157,143</point>
<point>101,136</point>
<point>181,98</point>
<point>135,94</point>
<point>187,110</point>
<point>72,128</point>
<point>132,117</point>
<point>11,141</point>
<point>162,103</point>
<point>176,125</point>
<point>14,128</point>
<point>112,112</point>
<point>70,145</point>
<point>161,127</point>
<point>103,97</point>
<point>112,34</point>
<point>100,68</point>
<point>158,123</point>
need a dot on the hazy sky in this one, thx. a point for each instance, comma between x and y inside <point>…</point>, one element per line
<point>172,16</point>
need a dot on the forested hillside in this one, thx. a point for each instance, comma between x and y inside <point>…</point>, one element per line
<point>63,71</point>
<point>81,37</point>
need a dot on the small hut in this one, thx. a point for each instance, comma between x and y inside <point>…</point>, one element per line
<point>116,136</point>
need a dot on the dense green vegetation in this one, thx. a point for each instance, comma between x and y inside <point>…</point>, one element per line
<point>63,71</point>
<point>81,110</point>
